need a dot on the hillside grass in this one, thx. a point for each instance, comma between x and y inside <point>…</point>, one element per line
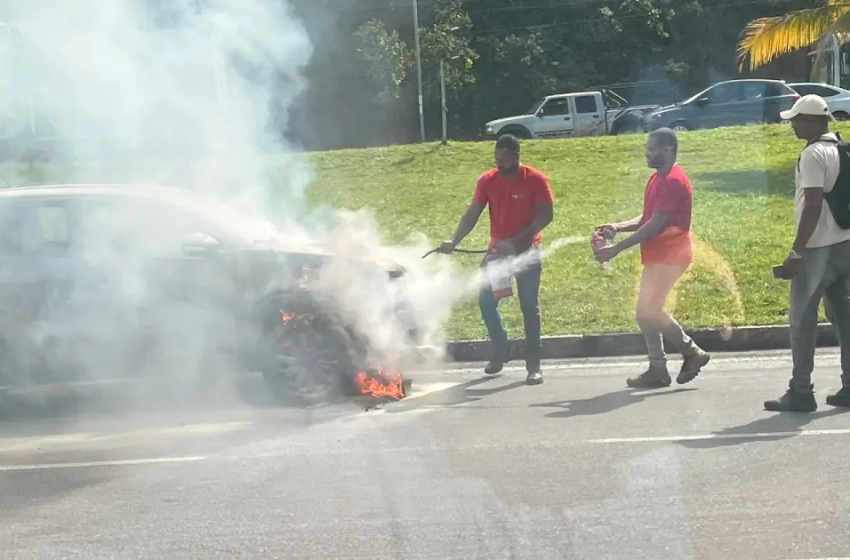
<point>743,181</point>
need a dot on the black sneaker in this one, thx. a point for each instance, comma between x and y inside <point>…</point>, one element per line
<point>653,378</point>
<point>495,365</point>
<point>691,367</point>
<point>841,398</point>
<point>792,401</point>
<point>535,377</point>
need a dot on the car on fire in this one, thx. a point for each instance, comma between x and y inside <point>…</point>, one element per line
<point>129,281</point>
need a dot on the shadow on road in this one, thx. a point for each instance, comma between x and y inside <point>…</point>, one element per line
<point>602,404</point>
<point>784,425</point>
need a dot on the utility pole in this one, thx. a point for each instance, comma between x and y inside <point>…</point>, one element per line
<point>418,69</point>
<point>443,98</point>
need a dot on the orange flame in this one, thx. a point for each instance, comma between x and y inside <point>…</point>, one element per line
<point>381,384</point>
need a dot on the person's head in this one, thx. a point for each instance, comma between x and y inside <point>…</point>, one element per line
<point>662,147</point>
<point>810,117</point>
<point>507,154</point>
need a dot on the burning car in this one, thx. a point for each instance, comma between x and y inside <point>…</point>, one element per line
<point>115,281</point>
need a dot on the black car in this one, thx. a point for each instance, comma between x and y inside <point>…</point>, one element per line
<point>105,281</point>
<point>731,103</point>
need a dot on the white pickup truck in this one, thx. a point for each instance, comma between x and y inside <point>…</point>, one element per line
<point>589,113</point>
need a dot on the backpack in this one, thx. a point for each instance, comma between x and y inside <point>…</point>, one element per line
<point>838,198</point>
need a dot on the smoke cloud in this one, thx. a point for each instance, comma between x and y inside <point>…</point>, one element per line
<point>195,94</point>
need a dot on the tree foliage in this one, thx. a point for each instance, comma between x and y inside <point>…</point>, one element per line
<point>502,55</point>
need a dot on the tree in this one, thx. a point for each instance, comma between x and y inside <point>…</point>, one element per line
<point>387,58</point>
<point>766,38</point>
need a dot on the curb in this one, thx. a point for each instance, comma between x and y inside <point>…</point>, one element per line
<point>742,339</point>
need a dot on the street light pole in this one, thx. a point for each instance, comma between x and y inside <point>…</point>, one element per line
<point>443,98</point>
<point>418,69</point>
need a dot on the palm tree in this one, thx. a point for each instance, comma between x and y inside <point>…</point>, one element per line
<point>765,39</point>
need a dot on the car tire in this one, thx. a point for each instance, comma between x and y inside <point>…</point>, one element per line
<point>309,357</point>
<point>681,126</point>
<point>841,116</point>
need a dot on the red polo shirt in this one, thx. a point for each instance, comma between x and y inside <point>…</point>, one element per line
<point>671,193</point>
<point>512,202</point>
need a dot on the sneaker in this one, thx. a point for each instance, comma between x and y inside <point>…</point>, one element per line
<point>792,401</point>
<point>653,378</point>
<point>535,377</point>
<point>841,398</point>
<point>691,367</point>
<point>495,365</point>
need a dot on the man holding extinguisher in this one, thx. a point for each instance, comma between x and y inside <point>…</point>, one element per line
<point>520,203</point>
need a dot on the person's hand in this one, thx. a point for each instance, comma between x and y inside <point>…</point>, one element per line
<point>447,247</point>
<point>792,267</point>
<point>605,254</point>
<point>608,231</point>
<point>503,248</point>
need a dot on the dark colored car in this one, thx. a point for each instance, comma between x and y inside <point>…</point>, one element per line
<point>731,103</point>
<point>105,281</point>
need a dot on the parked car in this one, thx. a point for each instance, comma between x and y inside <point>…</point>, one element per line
<point>837,98</point>
<point>566,115</point>
<point>116,280</point>
<point>730,103</point>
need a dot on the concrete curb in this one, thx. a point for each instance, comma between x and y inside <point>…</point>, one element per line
<point>741,339</point>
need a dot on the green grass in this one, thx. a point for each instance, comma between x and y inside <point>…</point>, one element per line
<point>743,222</point>
<point>743,179</point>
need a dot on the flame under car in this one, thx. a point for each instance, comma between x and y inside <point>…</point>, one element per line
<point>114,281</point>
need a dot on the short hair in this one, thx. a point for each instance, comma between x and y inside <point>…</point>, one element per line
<point>666,138</point>
<point>508,142</point>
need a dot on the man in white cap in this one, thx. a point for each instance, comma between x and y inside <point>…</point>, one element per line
<point>819,262</point>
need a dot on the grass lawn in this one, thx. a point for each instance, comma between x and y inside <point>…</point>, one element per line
<point>743,223</point>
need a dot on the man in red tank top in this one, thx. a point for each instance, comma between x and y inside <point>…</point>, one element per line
<point>520,201</point>
<point>663,232</point>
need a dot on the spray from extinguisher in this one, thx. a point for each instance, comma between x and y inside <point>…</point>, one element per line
<point>597,241</point>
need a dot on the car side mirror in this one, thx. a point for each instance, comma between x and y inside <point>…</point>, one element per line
<point>199,245</point>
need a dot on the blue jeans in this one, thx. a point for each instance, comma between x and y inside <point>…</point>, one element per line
<point>528,289</point>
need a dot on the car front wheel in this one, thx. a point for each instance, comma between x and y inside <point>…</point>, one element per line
<point>310,358</point>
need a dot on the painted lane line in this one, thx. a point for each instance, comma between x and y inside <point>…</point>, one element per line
<point>701,437</point>
<point>88,464</point>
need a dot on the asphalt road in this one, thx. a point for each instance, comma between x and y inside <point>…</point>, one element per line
<point>578,468</point>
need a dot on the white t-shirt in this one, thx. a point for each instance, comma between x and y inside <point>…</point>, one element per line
<point>818,168</point>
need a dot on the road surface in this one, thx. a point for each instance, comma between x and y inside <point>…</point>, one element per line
<point>578,468</point>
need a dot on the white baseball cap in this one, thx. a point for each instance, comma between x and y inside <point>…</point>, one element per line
<point>808,105</point>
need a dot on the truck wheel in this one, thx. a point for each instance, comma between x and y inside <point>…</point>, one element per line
<point>308,356</point>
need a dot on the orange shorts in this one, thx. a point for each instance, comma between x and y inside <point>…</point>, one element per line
<point>674,246</point>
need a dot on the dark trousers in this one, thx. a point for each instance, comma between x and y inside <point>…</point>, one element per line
<point>528,290</point>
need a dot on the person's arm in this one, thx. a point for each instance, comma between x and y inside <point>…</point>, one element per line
<point>470,218</point>
<point>468,221</point>
<point>541,195</point>
<point>629,225</point>
<point>654,227</point>
<point>812,178</point>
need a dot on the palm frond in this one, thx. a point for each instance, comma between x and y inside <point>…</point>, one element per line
<point>764,39</point>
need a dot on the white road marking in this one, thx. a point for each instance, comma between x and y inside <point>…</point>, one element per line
<point>420,390</point>
<point>118,463</point>
<point>699,437</point>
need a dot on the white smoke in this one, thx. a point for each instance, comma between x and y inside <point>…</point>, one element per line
<point>195,93</point>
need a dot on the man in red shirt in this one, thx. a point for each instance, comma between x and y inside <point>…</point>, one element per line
<point>664,234</point>
<point>520,204</point>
